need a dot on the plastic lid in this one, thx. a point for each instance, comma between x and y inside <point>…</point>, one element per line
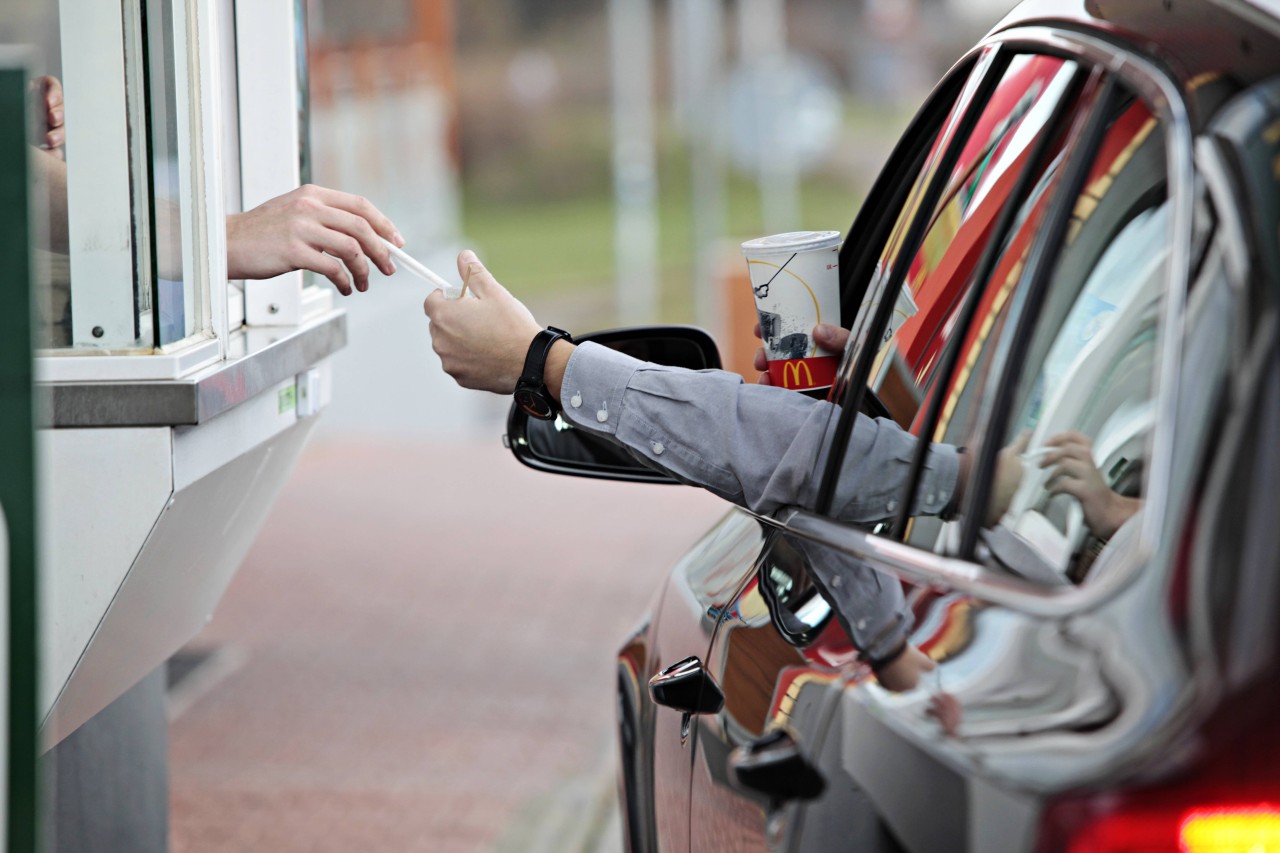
<point>792,241</point>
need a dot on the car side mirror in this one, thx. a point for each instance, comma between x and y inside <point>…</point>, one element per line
<point>559,447</point>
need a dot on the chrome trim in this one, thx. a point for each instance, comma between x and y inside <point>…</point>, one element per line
<point>925,568</point>
<point>259,359</point>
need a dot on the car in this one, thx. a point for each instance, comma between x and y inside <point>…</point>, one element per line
<point>1086,211</point>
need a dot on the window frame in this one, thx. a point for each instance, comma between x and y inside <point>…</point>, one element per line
<point>103,85</point>
<point>1157,88</point>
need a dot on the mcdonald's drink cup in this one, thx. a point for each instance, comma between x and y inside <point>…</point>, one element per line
<point>796,281</point>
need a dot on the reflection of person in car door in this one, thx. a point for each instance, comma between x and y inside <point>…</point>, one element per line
<point>1075,474</point>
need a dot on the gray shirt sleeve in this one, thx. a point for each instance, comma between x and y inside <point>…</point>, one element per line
<point>754,445</point>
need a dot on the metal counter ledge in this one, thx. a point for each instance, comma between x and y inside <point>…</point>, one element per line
<point>261,357</point>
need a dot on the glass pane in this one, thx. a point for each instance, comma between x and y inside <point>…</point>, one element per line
<point>1071,467</point>
<point>35,25</point>
<point>939,275</point>
<point>174,318</point>
<point>1084,407</point>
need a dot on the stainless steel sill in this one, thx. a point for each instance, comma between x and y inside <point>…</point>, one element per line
<point>261,357</point>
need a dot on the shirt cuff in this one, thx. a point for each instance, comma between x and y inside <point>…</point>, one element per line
<point>594,381</point>
<point>938,480</point>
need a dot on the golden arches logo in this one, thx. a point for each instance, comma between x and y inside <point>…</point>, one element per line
<point>791,375</point>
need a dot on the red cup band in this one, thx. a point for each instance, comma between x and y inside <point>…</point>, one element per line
<point>802,373</point>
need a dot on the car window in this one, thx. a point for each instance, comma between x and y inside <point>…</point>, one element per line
<point>1069,476</point>
<point>982,169</point>
<point>938,275</point>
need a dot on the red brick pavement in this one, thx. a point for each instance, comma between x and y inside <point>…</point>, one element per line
<point>427,634</point>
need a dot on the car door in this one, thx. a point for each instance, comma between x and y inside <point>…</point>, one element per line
<point>1059,327</point>
<point>658,737</point>
<point>782,659</point>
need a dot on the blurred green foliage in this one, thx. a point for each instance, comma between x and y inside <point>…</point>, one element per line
<point>541,215</point>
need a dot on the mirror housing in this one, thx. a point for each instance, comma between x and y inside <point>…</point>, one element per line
<point>560,448</point>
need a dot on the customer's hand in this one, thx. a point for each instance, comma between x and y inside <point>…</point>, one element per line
<point>482,342</point>
<point>54,134</point>
<point>311,228</point>
<point>1075,473</point>
<point>905,671</point>
<point>829,337</point>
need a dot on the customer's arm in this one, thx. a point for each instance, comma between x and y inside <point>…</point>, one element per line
<point>757,446</point>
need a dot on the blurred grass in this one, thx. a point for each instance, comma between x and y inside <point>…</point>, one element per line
<point>544,244</point>
<point>555,247</point>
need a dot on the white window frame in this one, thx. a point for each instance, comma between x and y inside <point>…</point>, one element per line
<point>266,59</point>
<point>100,208</point>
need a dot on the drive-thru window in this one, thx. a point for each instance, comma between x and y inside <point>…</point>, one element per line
<point>172,403</point>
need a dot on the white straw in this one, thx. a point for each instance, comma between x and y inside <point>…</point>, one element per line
<point>421,270</point>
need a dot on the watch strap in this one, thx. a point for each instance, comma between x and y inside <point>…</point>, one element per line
<point>536,360</point>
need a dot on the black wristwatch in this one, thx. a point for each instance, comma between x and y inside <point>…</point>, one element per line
<point>531,390</point>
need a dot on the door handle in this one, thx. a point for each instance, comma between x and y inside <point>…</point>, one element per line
<point>688,687</point>
<point>774,766</point>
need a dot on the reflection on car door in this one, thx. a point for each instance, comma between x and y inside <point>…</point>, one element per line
<point>701,588</point>
<point>776,653</point>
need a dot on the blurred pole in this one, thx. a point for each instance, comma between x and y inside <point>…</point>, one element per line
<point>634,174</point>
<point>698,37</point>
<point>762,44</point>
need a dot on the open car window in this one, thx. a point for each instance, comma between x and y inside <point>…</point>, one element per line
<point>928,265</point>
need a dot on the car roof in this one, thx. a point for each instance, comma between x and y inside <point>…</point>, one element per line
<point>1191,38</point>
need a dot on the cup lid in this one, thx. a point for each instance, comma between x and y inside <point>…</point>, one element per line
<point>792,241</point>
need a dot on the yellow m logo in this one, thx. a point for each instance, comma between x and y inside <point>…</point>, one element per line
<point>791,375</point>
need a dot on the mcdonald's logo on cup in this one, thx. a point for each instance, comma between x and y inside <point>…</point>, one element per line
<point>801,374</point>
<point>796,374</point>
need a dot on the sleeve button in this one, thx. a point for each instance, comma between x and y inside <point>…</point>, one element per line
<point>576,401</point>
<point>658,448</point>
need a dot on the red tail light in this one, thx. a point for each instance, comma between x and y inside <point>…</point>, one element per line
<point>1129,827</point>
<point>1216,830</point>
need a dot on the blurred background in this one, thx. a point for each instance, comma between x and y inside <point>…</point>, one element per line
<point>418,652</point>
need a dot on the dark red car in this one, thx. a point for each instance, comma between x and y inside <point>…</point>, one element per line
<point>1086,213</point>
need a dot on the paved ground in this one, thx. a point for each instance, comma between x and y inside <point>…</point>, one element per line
<point>417,655</point>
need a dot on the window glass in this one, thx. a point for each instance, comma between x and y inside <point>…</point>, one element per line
<point>1069,475</point>
<point>1084,407</point>
<point>35,25</point>
<point>174,318</point>
<point>937,276</point>
<point>116,172</point>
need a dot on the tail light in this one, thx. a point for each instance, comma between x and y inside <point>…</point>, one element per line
<point>1229,800</point>
<point>1129,825</point>
<point>1238,828</point>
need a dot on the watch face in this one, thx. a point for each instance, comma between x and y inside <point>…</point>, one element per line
<point>533,403</point>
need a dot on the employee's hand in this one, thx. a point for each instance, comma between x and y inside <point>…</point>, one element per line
<point>482,342</point>
<point>311,228</point>
<point>830,338</point>
<point>54,137</point>
<point>1075,473</point>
